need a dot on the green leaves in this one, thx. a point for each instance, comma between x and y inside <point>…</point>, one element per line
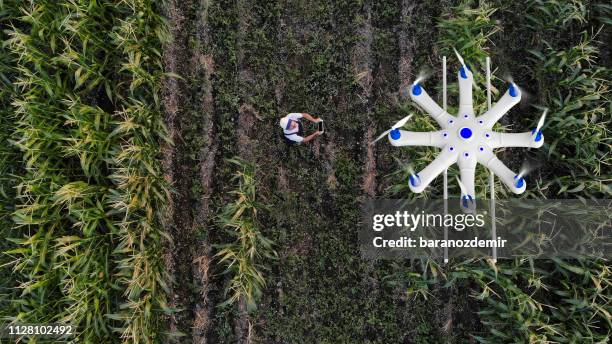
<point>576,90</point>
<point>468,28</point>
<point>243,258</point>
<point>82,82</point>
<point>561,304</point>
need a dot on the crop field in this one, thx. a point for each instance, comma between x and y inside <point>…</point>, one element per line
<point>147,195</point>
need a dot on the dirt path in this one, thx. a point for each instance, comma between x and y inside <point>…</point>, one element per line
<point>189,164</point>
<point>406,46</point>
<point>362,62</point>
<point>178,223</point>
<point>203,67</point>
<point>245,132</point>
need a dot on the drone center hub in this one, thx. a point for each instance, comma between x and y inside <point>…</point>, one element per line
<point>465,133</point>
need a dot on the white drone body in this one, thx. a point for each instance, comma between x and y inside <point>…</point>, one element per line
<point>466,139</point>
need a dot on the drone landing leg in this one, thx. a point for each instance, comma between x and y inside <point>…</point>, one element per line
<point>491,175</point>
<point>445,173</point>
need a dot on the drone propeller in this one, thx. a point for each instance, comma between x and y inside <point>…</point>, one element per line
<point>411,170</point>
<point>462,187</point>
<point>527,167</point>
<point>460,58</point>
<point>399,124</point>
<point>536,133</point>
<point>541,121</point>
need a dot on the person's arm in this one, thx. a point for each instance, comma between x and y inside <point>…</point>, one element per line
<point>310,118</point>
<point>311,136</point>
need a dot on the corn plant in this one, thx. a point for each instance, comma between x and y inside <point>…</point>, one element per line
<point>559,300</point>
<point>244,257</point>
<point>468,27</point>
<point>86,241</point>
<point>139,190</point>
<point>578,93</point>
<point>8,163</point>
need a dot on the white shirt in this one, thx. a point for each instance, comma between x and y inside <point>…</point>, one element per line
<point>291,134</point>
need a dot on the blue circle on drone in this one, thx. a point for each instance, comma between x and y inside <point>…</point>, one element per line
<point>519,182</point>
<point>512,90</point>
<point>465,133</point>
<point>395,134</point>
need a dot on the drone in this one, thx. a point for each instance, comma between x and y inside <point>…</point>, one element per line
<point>465,139</point>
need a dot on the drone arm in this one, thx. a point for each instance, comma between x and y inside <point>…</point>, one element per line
<point>466,80</point>
<point>467,170</point>
<point>415,138</point>
<point>429,173</point>
<point>507,101</point>
<point>419,96</point>
<point>490,161</point>
<point>527,139</point>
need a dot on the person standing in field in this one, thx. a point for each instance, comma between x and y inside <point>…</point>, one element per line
<point>292,128</point>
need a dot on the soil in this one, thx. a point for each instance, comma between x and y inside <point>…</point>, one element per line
<point>175,58</point>
<point>362,62</point>
<point>188,261</point>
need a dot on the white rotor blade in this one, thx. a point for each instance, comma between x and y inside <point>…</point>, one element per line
<point>459,57</point>
<point>541,122</point>
<point>381,136</point>
<point>462,187</point>
<point>401,122</point>
<point>410,169</point>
